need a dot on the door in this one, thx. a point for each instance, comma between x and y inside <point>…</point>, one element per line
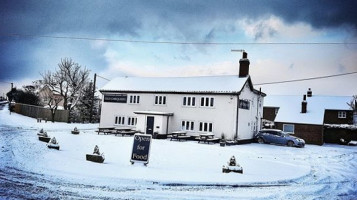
<point>150,125</point>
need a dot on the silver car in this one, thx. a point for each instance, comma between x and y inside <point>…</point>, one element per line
<point>278,137</point>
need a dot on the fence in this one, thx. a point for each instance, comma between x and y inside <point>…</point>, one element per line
<point>41,112</point>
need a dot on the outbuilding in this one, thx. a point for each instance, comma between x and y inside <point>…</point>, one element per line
<point>305,116</point>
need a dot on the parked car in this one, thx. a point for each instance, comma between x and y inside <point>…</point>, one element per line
<point>278,137</point>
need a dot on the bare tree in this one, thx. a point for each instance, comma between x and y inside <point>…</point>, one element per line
<point>68,81</point>
<point>353,105</point>
<point>353,102</point>
<point>52,101</point>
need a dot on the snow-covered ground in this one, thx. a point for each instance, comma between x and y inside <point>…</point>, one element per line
<point>176,170</point>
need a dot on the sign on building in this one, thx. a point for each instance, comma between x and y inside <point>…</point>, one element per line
<point>141,148</point>
<point>116,98</point>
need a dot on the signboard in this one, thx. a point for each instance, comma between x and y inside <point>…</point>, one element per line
<point>141,148</point>
<point>115,98</point>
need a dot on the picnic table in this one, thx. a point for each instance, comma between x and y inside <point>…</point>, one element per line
<point>105,130</point>
<point>179,135</point>
<point>124,131</point>
<point>207,138</point>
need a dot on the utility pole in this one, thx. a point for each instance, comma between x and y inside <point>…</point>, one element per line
<point>93,97</point>
<point>12,86</point>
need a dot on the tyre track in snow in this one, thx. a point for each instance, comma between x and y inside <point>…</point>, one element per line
<point>327,178</point>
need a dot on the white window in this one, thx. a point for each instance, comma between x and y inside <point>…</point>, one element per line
<point>189,101</point>
<point>187,125</point>
<point>132,121</point>
<point>207,102</point>
<point>134,99</point>
<point>206,127</point>
<point>289,128</point>
<point>341,114</point>
<point>119,120</point>
<point>160,100</point>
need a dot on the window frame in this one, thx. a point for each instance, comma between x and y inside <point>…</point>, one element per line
<point>188,123</point>
<point>131,119</point>
<point>160,100</point>
<point>119,120</point>
<point>134,99</point>
<point>244,104</point>
<point>189,101</point>
<point>293,128</point>
<point>207,102</point>
<point>205,127</point>
<point>342,114</point>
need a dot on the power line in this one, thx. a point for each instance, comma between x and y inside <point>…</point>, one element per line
<point>179,42</point>
<point>102,77</point>
<point>306,79</point>
<point>5,82</point>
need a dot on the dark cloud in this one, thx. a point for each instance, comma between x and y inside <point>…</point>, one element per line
<point>126,17</point>
<point>318,13</point>
<point>190,20</point>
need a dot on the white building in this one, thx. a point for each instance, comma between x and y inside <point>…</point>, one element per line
<point>226,105</point>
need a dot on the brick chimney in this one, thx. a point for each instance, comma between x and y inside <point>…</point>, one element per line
<point>309,93</point>
<point>304,105</point>
<point>244,65</point>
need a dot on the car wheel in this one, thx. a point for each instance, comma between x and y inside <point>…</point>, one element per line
<point>290,143</point>
<point>260,140</point>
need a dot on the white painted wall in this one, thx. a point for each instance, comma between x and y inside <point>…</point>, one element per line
<point>222,115</point>
<point>250,120</point>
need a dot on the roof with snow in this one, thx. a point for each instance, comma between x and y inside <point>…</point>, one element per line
<point>290,107</point>
<point>201,84</point>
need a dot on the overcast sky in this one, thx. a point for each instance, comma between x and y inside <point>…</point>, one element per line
<point>248,25</point>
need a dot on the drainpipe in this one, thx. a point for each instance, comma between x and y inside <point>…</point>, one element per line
<point>257,118</point>
<point>237,117</point>
<point>355,114</point>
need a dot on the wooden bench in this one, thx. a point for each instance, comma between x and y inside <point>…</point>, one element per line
<point>105,130</point>
<point>179,135</point>
<point>207,138</point>
<point>214,140</point>
<point>125,133</point>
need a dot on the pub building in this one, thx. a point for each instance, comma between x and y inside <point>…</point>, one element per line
<point>221,105</point>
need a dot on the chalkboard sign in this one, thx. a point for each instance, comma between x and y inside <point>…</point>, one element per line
<point>116,98</point>
<point>141,148</point>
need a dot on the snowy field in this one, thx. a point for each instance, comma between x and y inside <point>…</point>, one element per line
<point>176,170</point>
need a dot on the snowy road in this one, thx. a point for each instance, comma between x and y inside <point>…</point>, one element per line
<point>332,175</point>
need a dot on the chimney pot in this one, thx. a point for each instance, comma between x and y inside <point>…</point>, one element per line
<point>309,93</point>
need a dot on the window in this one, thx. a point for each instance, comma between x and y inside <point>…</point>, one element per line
<point>119,120</point>
<point>188,125</point>
<point>341,114</point>
<point>134,99</point>
<point>189,101</point>
<point>132,121</point>
<point>244,104</point>
<point>160,100</point>
<point>206,127</point>
<point>288,128</point>
<point>207,102</point>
